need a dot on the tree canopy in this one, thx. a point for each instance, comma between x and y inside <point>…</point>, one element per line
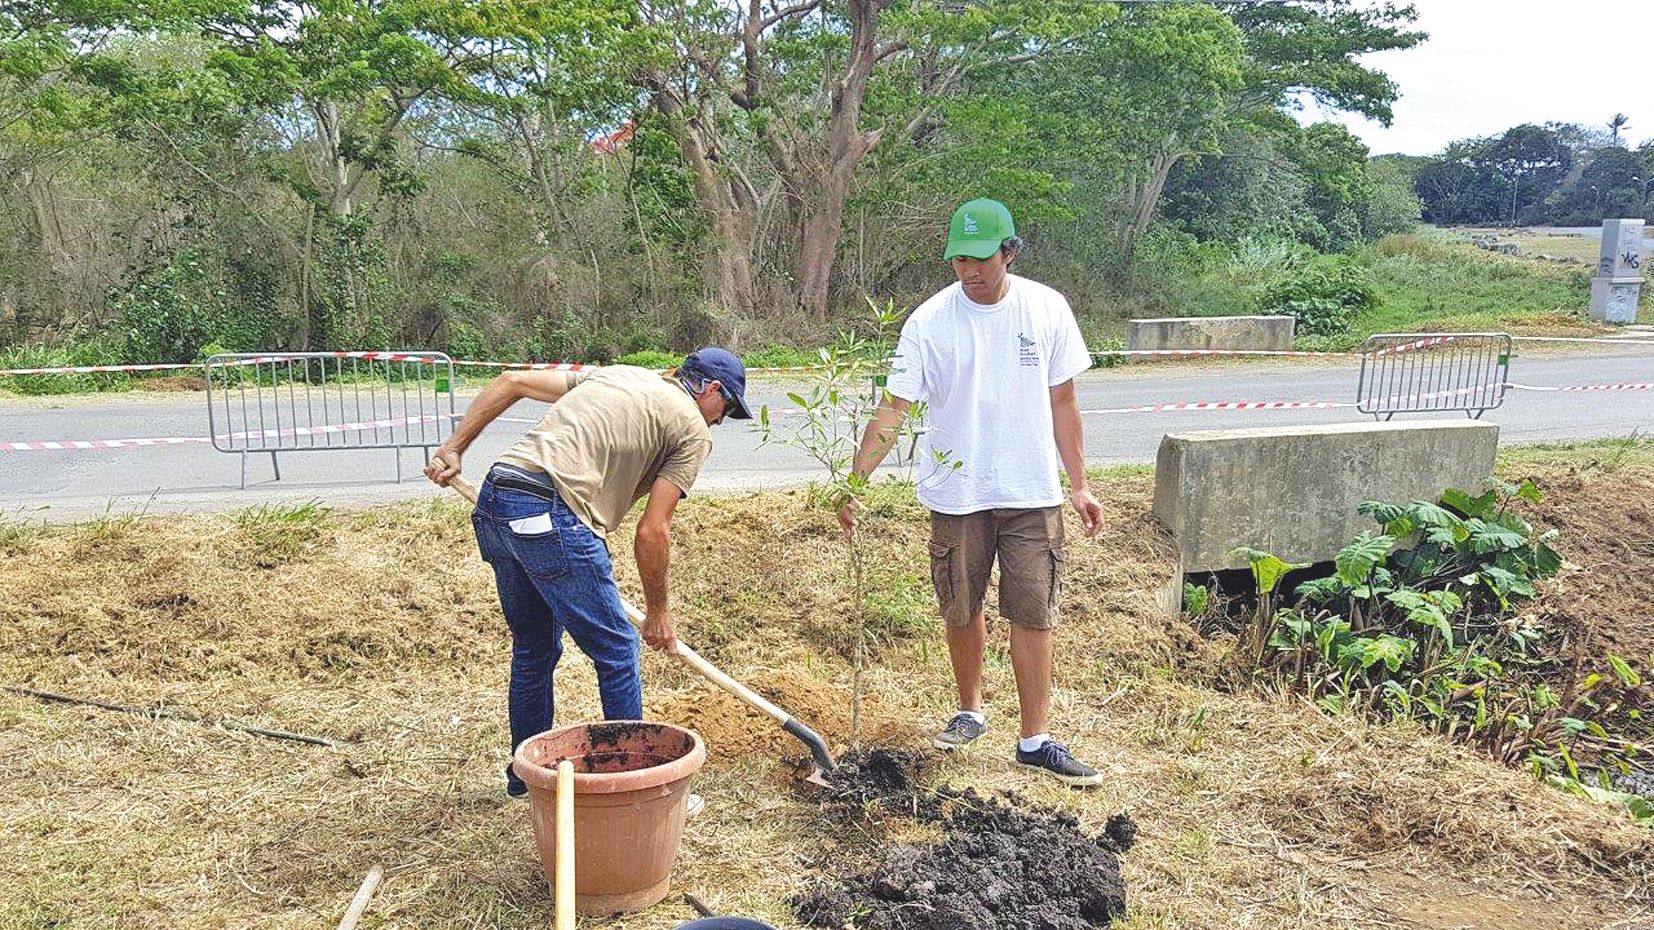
<point>580,177</point>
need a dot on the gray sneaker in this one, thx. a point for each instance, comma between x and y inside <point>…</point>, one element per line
<point>1055,760</point>
<point>961,731</point>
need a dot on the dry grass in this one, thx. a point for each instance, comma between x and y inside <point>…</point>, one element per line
<point>381,628</point>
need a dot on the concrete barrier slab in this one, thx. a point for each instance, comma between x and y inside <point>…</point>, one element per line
<point>1240,333</point>
<point>1293,490</point>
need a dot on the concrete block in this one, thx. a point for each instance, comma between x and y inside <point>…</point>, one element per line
<point>1622,249</point>
<point>1614,300</point>
<point>1293,490</point>
<point>1252,333</point>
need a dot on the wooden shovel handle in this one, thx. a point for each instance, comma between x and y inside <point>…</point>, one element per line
<point>563,902</point>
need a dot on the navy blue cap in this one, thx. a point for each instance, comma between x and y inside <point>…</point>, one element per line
<point>723,366</point>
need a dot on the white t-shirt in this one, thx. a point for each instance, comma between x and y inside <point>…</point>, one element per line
<point>985,373</point>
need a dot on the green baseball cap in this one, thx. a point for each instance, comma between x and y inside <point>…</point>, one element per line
<point>978,228</point>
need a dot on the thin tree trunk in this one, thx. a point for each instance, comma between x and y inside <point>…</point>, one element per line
<point>49,235</point>
<point>822,228</point>
<point>822,183</point>
<point>730,245</point>
<point>304,278</point>
<point>1143,198</point>
<point>859,653</point>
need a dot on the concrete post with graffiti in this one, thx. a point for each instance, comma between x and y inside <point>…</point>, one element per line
<point>1618,283</point>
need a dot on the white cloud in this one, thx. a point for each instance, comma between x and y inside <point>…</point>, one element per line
<point>1493,64</point>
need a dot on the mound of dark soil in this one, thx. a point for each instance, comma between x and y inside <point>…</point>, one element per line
<point>879,774</point>
<point>997,866</point>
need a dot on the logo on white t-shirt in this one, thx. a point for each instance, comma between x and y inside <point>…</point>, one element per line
<point>1027,355</point>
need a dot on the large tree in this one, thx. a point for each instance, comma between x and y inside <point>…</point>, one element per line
<point>797,76</point>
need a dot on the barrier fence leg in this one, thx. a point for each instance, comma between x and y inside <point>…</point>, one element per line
<point>243,471</point>
<point>398,464</point>
<point>275,465</point>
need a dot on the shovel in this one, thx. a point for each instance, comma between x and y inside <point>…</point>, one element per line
<point>818,748</point>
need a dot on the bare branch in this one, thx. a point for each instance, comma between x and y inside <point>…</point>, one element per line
<point>889,49</point>
<point>797,9</point>
<point>278,234</point>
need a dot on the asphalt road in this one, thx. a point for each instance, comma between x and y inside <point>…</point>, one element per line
<point>70,485</point>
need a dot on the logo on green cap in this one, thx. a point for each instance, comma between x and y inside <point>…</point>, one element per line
<point>978,228</point>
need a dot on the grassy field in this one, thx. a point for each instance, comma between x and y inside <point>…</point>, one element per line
<point>381,629</point>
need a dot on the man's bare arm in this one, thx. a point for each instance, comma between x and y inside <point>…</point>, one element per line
<point>652,547</point>
<point>876,441</point>
<point>1069,432</point>
<point>494,400</point>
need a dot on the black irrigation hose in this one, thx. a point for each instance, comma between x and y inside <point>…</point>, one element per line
<point>163,713</point>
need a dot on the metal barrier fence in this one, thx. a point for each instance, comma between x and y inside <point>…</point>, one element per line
<point>1431,373</point>
<point>310,401</point>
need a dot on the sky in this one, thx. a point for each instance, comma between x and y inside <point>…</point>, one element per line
<point>1493,64</point>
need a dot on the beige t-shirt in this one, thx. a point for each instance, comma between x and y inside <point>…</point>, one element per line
<point>606,441</point>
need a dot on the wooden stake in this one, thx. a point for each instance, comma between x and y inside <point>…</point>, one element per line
<point>363,895</point>
<point>161,713</point>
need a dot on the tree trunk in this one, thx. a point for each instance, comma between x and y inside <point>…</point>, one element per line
<point>731,245</point>
<point>530,129</point>
<point>330,134</point>
<point>1143,199</point>
<point>821,228</point>
<point>821,183</point>
<point>54,252</point>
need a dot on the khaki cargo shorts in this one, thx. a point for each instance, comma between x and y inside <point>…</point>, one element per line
<point>1028,545</point>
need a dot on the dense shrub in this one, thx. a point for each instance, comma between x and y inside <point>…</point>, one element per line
<point>650,358</point>
<point>1325,295</point>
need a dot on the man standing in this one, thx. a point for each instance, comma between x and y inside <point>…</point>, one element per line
<point>993,357</point>
<point>612,436</point>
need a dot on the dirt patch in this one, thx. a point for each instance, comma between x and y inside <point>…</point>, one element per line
<point>731,729</point>
<point>996,865</point>
<point>1606,527</point>
<point>1446,901</point>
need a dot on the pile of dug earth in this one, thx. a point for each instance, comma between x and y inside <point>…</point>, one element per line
<point>998,865</point>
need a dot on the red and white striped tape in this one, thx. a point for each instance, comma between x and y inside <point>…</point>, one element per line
<point>417,358</point>
<point>59,445</point>
<point>1414,346</point>
<point>275,359</point>
<point>69,444</point>
<point>1227,405</point>
<point>94,369</point>
<point>1230,352</point>
<point>1622,386</point>
<point>1181,406</point>
<point>1605,341</point>
<point>330,428</point>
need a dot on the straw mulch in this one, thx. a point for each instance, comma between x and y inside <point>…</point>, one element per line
<point>380,629</point>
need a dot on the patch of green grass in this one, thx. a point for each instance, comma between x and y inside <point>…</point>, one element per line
<point>106,528</point>
<point>1610,455</point>
<point>899,606</point>
<point>780,356</point>
<point>70,355</point>
<point>310,513</point>
<point>19,536</point>
<point>651,358</point>
<point>1428,285</point>
<point>1425,282</point>
<point>276,534</point>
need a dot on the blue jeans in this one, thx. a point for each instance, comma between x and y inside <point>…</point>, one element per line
<point>554,574</point>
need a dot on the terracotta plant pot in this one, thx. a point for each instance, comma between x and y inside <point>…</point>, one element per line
<point>630,782</point>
